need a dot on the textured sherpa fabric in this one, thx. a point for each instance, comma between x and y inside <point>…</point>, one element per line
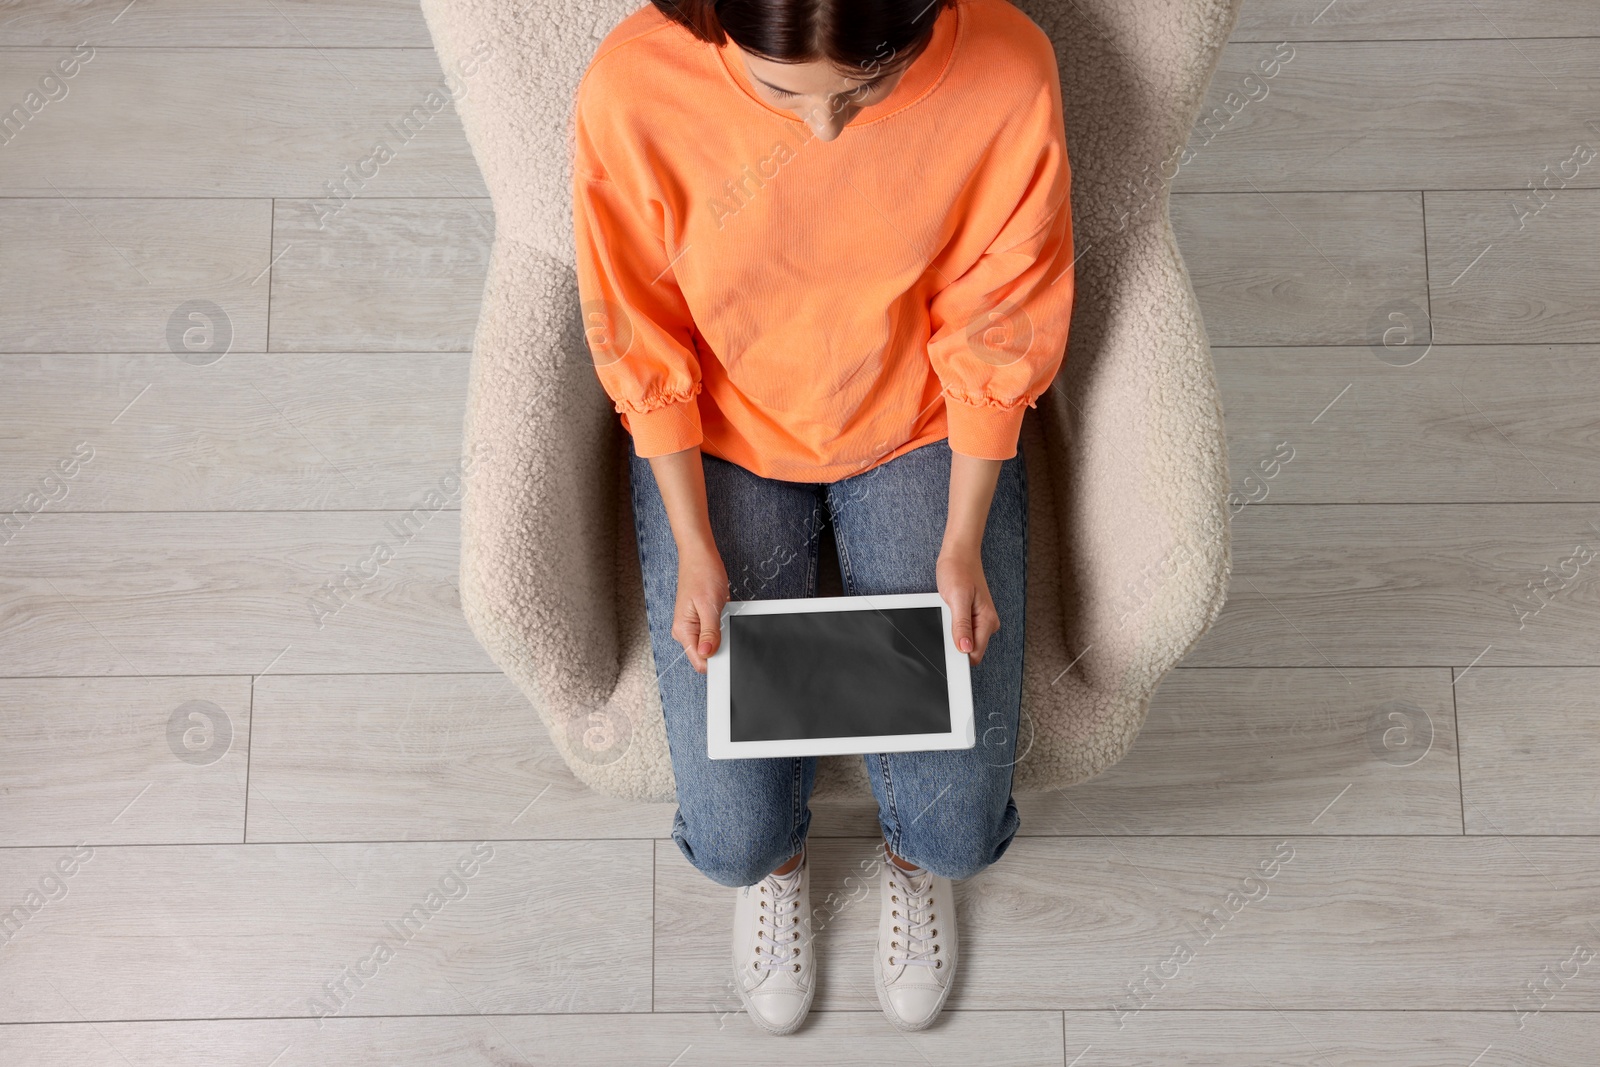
<point>1126,457</point>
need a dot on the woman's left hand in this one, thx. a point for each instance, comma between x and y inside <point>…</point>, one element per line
<point>962,585</point>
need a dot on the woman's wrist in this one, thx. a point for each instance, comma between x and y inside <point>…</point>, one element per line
<point>697,548</point>
<point>680,477</point>
<point>960,546</point>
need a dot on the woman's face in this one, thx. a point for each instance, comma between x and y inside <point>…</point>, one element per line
<point>816,92</point>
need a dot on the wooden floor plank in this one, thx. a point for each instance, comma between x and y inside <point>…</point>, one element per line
<point>118,761</point>
<point>1262,751</point>
<point>387,275</point>
<point>1531,739</point>
<point>251,931</point>
<point>1515,268</point>
<point>218,23</point>
<point>1134,925</point>
<point>1372,20</point>
<point>245,433</point>
<point>838,1039</point>
<point>398,23</point>
<point>1402,585</point>
<point>1301,268</point>
<point>1395,1038</point>
<point>236,593</point>
<point>1396,115</point>
<point>92,275</point>
<point>239,122</point>
<point>415,757</point>
<point>1411,424</point>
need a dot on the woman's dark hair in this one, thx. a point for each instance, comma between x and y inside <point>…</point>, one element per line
<point>859,37</point>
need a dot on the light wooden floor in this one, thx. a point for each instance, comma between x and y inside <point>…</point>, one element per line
<point>211,806</point>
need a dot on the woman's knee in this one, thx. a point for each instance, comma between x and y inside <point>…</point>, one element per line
<point>952,860</point>
<point>956,854</point>
<point>734,855</point>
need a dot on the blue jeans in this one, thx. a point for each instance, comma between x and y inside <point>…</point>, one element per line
<point>950,811</point>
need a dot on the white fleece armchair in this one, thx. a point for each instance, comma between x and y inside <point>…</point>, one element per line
<point>1127,466</point>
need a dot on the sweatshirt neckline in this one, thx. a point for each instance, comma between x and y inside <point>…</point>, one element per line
<point>920,79</point>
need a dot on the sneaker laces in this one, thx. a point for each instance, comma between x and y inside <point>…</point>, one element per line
<point>915,916</point>
<point>778,921</point>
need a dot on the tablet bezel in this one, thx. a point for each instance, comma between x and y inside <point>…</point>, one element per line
<point>958,676</point>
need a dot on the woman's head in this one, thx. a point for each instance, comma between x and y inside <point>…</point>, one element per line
<point>823,60</point>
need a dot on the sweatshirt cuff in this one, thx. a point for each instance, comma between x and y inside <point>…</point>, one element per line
<point>665,429</point>
<point>984,431</point>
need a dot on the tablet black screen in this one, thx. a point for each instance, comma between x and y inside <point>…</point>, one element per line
<point>815,674</point>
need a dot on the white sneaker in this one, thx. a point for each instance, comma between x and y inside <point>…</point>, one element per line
<point>916,958</point>
<point>774,969</point>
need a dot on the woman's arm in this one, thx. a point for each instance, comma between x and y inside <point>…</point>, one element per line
<point>702,578</point>
<point>960,567</point>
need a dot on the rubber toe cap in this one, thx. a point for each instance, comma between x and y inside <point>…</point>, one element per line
<point>916,1006</point>
<point>779,1011</point>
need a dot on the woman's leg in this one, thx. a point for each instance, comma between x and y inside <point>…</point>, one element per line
<point>950,811</point>
<point>737,820</point>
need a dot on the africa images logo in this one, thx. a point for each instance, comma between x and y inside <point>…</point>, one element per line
<point>1002,335</point>
<point>608,331</point>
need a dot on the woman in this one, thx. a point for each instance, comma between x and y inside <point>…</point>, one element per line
<point>824,250</point>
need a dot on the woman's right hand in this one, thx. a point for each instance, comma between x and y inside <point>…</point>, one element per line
<point>702,594</point>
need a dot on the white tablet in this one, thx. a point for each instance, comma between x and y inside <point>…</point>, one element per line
<point>828,676</point>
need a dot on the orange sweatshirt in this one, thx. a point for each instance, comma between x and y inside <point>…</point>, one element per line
<point>810,309</point>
